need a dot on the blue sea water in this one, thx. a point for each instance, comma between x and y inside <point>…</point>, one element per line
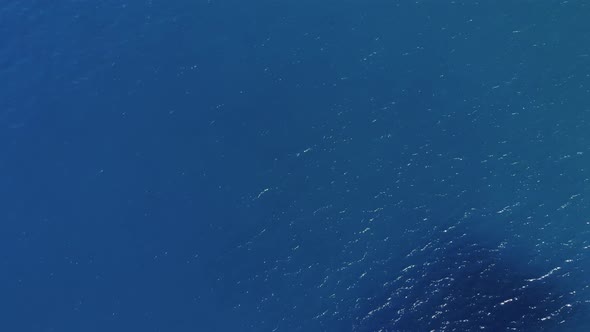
<point>265,165</point>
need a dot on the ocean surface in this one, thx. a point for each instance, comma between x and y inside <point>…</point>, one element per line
<point>282,165</point>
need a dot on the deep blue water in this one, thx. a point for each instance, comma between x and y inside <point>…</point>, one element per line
<point>265,165</point>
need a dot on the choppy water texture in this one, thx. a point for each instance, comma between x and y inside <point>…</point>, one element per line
<point>294,165</point>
